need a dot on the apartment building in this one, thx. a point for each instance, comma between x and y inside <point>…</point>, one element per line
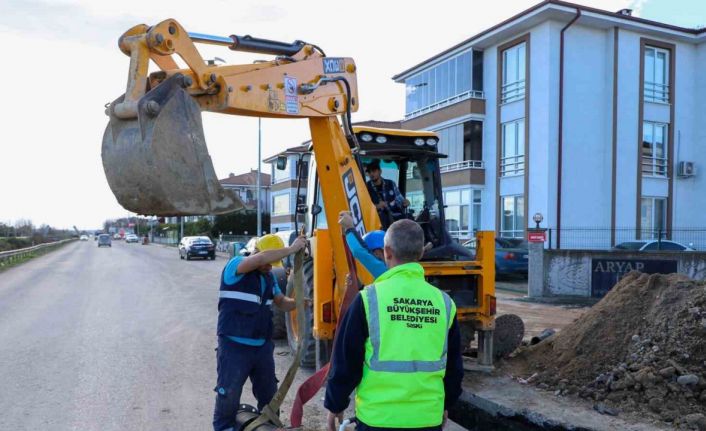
<point>245,186</point>
<point>284,187</point>
<point>585,116</point>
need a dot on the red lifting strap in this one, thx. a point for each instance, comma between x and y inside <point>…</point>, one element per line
<point>311,386</point>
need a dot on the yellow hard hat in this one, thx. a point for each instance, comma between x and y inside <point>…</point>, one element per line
<point>270,242</point>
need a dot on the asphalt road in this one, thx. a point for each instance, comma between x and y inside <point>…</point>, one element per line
<point>117,338</point>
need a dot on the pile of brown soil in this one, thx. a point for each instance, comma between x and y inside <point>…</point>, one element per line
<point>641,349</point>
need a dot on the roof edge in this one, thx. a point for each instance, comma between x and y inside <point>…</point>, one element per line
<point>691,31</point>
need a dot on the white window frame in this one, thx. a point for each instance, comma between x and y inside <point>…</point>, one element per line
<point>516,230</point>
<point>513,81</point>
<point>453,89</point>
<point>465,199</point>
<point>513,164</point>
<point>652,165</point>
<point>650,228</point>
<point>288,206</point>
<point>654,91</point>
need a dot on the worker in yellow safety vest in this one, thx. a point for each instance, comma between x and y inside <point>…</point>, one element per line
<point>399,346</point>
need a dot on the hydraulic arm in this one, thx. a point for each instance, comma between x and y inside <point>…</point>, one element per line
<point>154,150</point>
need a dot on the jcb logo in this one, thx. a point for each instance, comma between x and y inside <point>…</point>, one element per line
<point>353,201</point>
<point>334,65</point>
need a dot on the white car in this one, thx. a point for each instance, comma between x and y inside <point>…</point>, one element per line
<point>84,238</point>
<point>131,238</point>
<point>654,245</point>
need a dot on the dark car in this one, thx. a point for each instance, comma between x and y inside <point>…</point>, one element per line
<point>511,255</point>
<point>197,246</point>
<point>653,245</point>
<point>104,240</point>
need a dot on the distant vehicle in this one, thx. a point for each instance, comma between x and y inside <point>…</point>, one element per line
<point>197,246</point>
<point>117,236</point>
<point>249,247</point>
<point>653,245</point>
<point>84,238</point>
<point>131,237</point>
<point>511,255</point>
<point>104,240</point>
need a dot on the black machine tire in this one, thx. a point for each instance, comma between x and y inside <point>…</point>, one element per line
<point>508,334</point>
<point>309,356</point>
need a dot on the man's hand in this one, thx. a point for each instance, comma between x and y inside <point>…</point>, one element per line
<point>331,420</point>
<point>381,205</point>
<point>405,203</point>
<point>298,244</point>
<point>345,219</point>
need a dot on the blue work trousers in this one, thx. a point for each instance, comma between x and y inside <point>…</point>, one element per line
<point>236,363</point>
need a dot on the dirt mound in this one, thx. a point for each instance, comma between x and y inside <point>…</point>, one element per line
<point>641,349</point>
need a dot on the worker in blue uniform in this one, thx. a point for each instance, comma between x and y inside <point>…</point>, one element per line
<point>369,249</point>
<point>245,350</point>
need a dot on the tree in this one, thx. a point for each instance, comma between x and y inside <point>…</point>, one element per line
<point>238,223</point>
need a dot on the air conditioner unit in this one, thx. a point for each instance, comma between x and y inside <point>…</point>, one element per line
<point>686,169</point>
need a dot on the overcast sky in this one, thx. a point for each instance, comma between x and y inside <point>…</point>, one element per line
<point>62,65</point>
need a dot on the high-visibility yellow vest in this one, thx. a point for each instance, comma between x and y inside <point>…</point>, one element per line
<point>405,353</point>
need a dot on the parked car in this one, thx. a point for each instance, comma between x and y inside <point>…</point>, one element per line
<point>653,245</point>
<point>117,236</point>
<point>104,240</point>
<point>197,246</point>
<point>84,238</point>
<point>131,238</point>
<point>511,255</point>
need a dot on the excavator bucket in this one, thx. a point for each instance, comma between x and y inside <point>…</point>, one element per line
<point>157,163</point>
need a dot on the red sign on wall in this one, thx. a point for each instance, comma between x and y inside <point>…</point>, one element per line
<point>536,236</point>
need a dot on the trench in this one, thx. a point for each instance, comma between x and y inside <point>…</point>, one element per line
<point>480,414</point>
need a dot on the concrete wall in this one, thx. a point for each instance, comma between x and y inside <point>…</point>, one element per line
<point>568,272</point>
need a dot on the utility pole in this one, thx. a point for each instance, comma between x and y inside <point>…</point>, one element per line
<point>259,156</point>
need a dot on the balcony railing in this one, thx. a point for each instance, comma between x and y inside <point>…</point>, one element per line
<point>472,94</point>
<point>512,91</point>
<point>512,165</point>
<point>656,92</point>
<point>655,166</point>
<point>466,164</point>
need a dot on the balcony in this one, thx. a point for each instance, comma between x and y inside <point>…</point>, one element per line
<point>463,173</point>
<point>472,94</point>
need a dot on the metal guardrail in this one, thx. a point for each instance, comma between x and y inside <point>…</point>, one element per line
<point>10,256</point>
<point>466,164</point>
<point>471,94</point>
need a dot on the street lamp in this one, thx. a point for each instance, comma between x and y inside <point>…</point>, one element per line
<point>538,217</point>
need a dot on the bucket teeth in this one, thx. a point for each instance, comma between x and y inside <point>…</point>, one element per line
<point>158,163</point>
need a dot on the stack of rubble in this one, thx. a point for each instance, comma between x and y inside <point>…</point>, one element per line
<point>642,349</point>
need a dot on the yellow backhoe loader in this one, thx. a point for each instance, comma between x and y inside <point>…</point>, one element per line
<point>156,161</point>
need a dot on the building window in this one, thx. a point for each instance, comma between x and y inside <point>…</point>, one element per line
<point>512,220</point>
<point>280,205</point>
<point>656,79</point>
<point>654,149</point>
<point>457,215</point>
<point>461,143</point>
<point>512,159</point>
<point>513,87</point>
<point>475,223</point>
<point>653,216</point>
<point>448,82</point>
